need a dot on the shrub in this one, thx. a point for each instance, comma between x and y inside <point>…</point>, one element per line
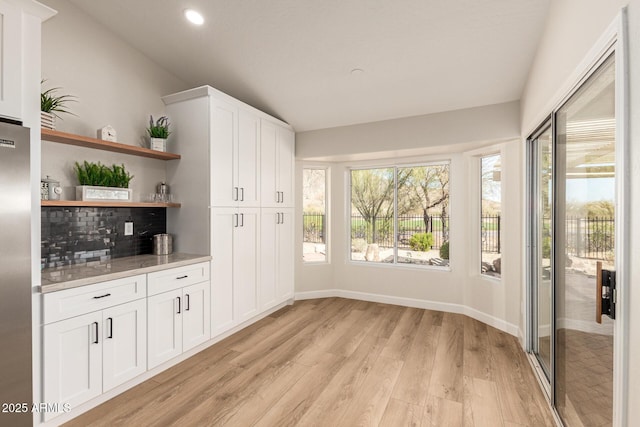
<point>444,250</point>
<point>358,245</point>
<point>421,242</point>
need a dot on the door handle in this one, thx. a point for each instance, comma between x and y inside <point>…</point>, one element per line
<point>282,220</point>
<point>242,194</point>
<point>235,220</point>
<point>277,217</point>
<point>95,324</point>
<point>241,220</point>
<point>282,197</point>
<point>187,305</point>
<point>235,194</point>
<point>179,305</point>
<point>605,292</point>
<point>110,324</point>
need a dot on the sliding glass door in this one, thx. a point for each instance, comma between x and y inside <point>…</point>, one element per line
<point>572,180</point>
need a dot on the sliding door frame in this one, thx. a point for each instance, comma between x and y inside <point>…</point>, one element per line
<point>614,40</point>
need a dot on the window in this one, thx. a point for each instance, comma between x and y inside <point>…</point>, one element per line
<point>314,218</point>
<point>490,215</point>
<point>400,215</point>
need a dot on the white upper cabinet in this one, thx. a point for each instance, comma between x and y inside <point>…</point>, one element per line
<point>248,159</point>
<point>235,151</point>
<point>10,60</point>
<point>224,137</point>
<point>277,154</point>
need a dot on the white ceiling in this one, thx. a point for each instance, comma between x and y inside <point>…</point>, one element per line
<point>293,58</point>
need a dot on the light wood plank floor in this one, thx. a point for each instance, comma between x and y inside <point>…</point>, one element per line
<point>339,362</point>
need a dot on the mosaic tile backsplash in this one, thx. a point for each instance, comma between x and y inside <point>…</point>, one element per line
<point>74,235</point>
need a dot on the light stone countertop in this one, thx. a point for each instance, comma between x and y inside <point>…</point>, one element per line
<point>73,276</point>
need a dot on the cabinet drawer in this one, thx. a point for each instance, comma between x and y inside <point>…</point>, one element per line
<point>175,278</point>
<point>74,302</point>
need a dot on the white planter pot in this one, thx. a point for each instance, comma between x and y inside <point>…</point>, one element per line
<point>158,144</point>
<point>47,120</point>
<point>90,192</point>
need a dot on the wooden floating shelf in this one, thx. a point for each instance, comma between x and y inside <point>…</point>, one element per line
<point>98,144</point>
<point>110,204</point>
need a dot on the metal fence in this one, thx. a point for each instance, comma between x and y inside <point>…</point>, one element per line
<point>590,237</point>
<point>407,227</point>
<point>314,226</point>
<point>586,237</point>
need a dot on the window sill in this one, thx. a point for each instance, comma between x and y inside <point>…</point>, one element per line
<point>400,266</point>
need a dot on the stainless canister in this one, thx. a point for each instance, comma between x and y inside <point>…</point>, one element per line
<point>162,244</point>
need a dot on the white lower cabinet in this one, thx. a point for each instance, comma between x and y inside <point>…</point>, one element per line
<point>87,355</point>
<point>178,321</point>
<point>276,270</point>
<point>234,268</point>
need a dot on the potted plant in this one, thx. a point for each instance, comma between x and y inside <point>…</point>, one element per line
<point>100,182</point>
<point>52,103</point>
<point>158,132</point>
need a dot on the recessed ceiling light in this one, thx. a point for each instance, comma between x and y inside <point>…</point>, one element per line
<point>357,72</point>
<point>194,17</point>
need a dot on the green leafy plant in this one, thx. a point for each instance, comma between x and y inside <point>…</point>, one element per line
<point>159,128</point>
<point>444,250</point>
<point>421,242</point>
<point>50,102</point>
<point>101,175</point>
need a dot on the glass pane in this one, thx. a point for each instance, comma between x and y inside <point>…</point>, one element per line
<point>423,215</point>
<point>314,220</point>
<point>543,176</point>
<point>585,162</point>
<point>491,210</point>
<point>372,215</point>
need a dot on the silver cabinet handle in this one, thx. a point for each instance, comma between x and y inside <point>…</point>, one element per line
<point>187,305</point>
<point>235,220</point>
<point>242,194</point>
<point>241,220</point>
<point>277,217</point>
<point>235,193</point>
<point>95,324</point>
<point>282,220</point>
<point>110,324</point>
<point>179,305</point>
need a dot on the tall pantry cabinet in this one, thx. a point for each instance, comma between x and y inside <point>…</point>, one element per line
<point>234,178</point>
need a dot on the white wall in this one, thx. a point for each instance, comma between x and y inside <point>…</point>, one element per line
<point>442,136</point>
<point>572,30</point>
<point>115,84</point>
<point>417,135</point>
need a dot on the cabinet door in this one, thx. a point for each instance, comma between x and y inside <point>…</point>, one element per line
<point>268,163</point>
<point>285,255</point>
<point>286,148</point>
<point>164,327</point>
<point>245,263</point>
<point>269,223</point>
<point>10,60</point>
<point>196,320</point>
<point>223,222</point>
<point>124,348</point>
<point>223,153</point>
<point>248,160</point>
<point>73,360</point>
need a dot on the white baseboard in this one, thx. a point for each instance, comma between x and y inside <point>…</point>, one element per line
<point>497,323</point>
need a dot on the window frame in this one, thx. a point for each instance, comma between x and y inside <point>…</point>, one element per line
<point>327,210</point>
<point>395,165</point>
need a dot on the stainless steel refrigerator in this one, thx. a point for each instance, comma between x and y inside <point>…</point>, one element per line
<point>15,277</point>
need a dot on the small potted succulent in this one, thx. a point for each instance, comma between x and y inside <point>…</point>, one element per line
<point>100,182</point>
<point>158,132</point>
<point>50,104</point>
